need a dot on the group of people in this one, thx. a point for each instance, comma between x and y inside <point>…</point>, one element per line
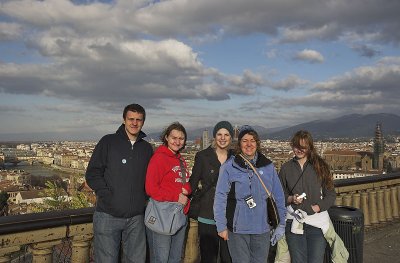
<point>229,181</point>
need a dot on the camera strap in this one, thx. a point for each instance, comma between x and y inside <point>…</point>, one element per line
<point>301,175</point>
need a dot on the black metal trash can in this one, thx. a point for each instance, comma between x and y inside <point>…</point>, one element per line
<point>349,225</point>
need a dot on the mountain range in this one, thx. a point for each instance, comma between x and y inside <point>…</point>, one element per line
<point>348,126</point>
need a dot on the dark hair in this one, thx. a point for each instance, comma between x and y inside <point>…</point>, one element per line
<point>320,166</point>
<point>134,108</point>
<point>173,126</point>
<point>255,136</point>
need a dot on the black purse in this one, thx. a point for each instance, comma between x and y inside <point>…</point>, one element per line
<point>194,208</point>
<point>272,209</point>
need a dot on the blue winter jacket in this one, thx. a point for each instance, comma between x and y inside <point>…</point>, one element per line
<point>236,182</point>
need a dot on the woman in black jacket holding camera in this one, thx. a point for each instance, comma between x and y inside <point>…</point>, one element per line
<point>206,171</point>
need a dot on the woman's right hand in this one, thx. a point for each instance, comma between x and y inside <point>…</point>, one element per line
<point>224,234</point>
<point>183,199</point>
<point>296,200</point>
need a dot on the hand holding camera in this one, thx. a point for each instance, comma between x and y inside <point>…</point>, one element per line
<point>298,199</point>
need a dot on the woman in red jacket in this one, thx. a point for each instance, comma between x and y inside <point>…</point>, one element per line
<point>167,180</point>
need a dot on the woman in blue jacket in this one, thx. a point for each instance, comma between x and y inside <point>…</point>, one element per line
<point>240,207</point>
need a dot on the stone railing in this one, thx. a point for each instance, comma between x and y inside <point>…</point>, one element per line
<point>377,196</point>
<point>65,236</point>
<point>45,237</point>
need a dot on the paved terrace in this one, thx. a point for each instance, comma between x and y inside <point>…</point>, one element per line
<point>382,243</point>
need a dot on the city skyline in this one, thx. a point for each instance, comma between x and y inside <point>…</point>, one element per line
<point>69,67</point>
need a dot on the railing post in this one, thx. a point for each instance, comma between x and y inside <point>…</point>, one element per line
<point>365,208</point>
<point>347,199</point>
<point>5,253</point>
<point>381,206</point>
<point>192,250</point>
<point>81,248</point>
<point>356,200</point>
<point>398,193</point>
<point>388,205</point>
<point>43,252</point>
<point>81,236</point>
<point>339,200</point>
<point>372,206</point>
<point>395,202</point>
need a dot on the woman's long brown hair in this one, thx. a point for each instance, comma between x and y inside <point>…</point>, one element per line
<point>320,166</point>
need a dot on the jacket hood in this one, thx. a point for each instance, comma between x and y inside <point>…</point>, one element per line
<point>121,131</point>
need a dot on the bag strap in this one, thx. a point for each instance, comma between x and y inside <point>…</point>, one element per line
<point>301,175</point>
<point>183,171</point>
<point>255,171</point>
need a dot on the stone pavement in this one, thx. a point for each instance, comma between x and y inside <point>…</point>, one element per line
<point>382,243</point>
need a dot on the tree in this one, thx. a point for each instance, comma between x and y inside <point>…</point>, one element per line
<point>56,198</point>
<point>4,203</point>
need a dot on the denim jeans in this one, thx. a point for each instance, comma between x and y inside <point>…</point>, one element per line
<point>110,232</point>
<point>308,247</point>
<point>165,248</point>
<point>248,248</point>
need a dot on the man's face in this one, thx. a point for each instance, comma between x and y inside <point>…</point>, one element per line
<point>133,124</point>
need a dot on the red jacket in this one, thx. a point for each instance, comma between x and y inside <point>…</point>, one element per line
<point>163,177</point>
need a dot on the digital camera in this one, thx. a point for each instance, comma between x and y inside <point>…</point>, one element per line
<point>250,201</point>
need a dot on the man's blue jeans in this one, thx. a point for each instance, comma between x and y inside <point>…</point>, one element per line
<point>248,248</point>
<point>165,248</point>
<point>110,232</point>
<point>308,247</point>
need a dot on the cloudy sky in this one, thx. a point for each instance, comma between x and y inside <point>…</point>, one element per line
<point>69,67</point>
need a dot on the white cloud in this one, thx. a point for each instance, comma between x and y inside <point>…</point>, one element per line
<point>155,52</point>
<point>289,83</point>
<point>10,31</point>
<point>309,55</point>
<point>297,34</point>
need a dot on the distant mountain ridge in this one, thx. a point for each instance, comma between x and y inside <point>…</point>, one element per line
<point>347,126</point>
<point>198,133</point>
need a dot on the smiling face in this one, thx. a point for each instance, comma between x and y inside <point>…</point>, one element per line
<point>301,151</point>
<point>175,140</point>
<point>223,138</point>
<point>133,124</point>
<point>248,145</point>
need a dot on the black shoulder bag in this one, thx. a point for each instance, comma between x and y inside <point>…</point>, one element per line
<point>194,209</point>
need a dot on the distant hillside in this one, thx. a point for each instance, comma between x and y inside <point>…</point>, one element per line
<point>347,126</point>
<point>197,133</point>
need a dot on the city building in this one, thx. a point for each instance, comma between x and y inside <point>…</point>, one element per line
<point>379,148</point>
<point>205,141</point>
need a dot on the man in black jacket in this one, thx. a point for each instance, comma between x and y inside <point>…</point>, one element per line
<point>116,172</point>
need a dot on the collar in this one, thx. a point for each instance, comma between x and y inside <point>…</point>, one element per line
<point>260,162</point>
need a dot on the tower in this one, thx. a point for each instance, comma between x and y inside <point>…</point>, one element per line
<point>378,148</point>
<point>235,133</point>
<point>205,141</point>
